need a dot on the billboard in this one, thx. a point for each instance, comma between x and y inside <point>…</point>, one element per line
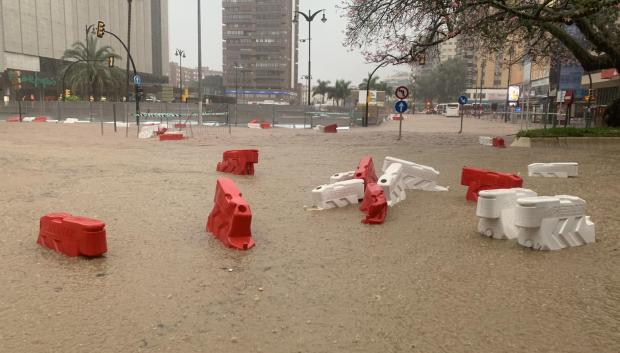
<point>513,93</point>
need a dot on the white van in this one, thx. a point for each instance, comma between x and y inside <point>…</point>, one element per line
<point>452,110</point>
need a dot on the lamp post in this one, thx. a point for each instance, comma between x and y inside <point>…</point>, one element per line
<point>181,54</point>
<point>237,67</point>
<point>310,17</point>
<point>128,48</point>
<point>365,120</point>
<point>199,66</point>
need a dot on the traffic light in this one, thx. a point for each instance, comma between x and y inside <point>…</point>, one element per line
<point>100,29</point>
<point>110,61</point>
<point>67,92</point>
<point>16,79</point>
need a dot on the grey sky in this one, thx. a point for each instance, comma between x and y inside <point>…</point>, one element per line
<point>330,60</point>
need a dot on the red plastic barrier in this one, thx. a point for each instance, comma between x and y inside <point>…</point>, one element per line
<point>332,128</point>
<point>254,121</point>
<point>170,137</point>
<point>366,171</point>
<point>180,126</point>
<point>13,119</point>
<point>231,218</point>
<point>482,179</point>
<point>40,119</point>
<point>499,142</point>
<point>374,204</point>
<point>265,125</point>
<point>240,162</point>
<point>72,235</point>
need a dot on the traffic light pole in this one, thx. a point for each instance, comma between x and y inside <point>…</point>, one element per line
<point>135,73</point>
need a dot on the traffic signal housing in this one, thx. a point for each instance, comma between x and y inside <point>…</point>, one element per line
<point>67,92</point>
<point>100,29</point>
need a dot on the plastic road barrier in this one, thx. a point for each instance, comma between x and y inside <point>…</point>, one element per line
<point>341,176</point>
<point>393,184</point>
<point>240,162</point>
<point>499,142</point>
<point>560,170</point>
<point>553,223</point>
<point>72,235</point>
<point>416,176</point>
<point>366,171</point>
<point>374,204</point>
<point>231,218</point>
<point>340,194</point>
<point>481,179</point>
<point>485,140</point>
<point>171,136</point>
<point>496,209</point>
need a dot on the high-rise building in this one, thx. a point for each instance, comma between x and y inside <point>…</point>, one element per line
<point>260,49</point>
<point>35,33</point>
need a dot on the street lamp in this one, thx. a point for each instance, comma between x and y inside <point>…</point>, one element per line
<point>181,54</point>
<point>237,68</point>
<point>309,17</point>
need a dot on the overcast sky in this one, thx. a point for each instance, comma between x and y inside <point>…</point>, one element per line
<point>330,60</point>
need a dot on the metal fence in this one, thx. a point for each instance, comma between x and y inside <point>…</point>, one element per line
<point>233,114</point>
<point>529,120</point>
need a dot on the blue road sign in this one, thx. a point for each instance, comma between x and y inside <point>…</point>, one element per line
<point>518,110</point>
<point>462,100</point>
<point>137,80</point>
<point>400,106</point>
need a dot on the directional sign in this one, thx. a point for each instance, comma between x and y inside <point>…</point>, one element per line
<point>518,110</point>
<point>462,100</point>
<point>402,92</point>
<point>400,106</point>
<point>137,80</point>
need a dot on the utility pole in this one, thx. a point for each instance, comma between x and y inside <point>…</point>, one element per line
<point>128,48</point>
<point>199,66</point>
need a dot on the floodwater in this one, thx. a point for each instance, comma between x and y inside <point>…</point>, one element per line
<point>425,281</point>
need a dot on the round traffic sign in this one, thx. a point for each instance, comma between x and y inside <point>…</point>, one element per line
<point>400,106</point>
<point>402,92</point>
<point>462,100</point>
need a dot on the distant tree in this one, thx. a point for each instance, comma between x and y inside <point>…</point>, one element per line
<point>340,91</point>
<point>375,85</point>
<point>93,73</point>
<point>322,88</point>
<point>403,31</point>
<point>442,84</point>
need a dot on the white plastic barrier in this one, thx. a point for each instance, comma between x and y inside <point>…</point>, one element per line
<point>342,176</point>
<point>148,131</point>
<point>393,184</point>
<point>553,222</point>
<point>28,119</point>
<point>70,121</point>
<point>560,170</point>
<point>340,194</point>
<point>485,140</point>
<point>416,176</point>
<point>496,209</point>
<point>254,125</point>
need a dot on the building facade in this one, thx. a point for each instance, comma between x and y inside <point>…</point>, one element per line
<point>260,49</point>
<point>35,33</point>
<point>190,74</point>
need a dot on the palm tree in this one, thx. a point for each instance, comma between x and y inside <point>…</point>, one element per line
<point>373,83</point>
<point>341,90</point>
<point>321,88</point>
<point>93,71</point>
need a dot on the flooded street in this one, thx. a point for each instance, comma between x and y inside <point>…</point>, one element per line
<point>424,281</point>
